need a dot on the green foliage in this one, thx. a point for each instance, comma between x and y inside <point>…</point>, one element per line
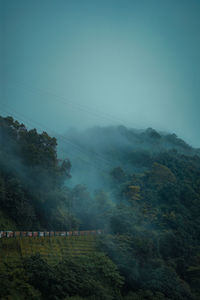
<point>92,212</point>
<point>156,227</point>
<point>32,192</point>
<point>150,206</point>
<point>89,276</point>
<point>145,295</point>
<point>160,175</point>
<point>15,286</point>
<point>65,267</point>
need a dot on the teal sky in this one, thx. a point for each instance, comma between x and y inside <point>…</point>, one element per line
<point>79,63</point>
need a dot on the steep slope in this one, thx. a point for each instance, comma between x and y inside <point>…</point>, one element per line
<point>32,192</point>
<point>143,190</point>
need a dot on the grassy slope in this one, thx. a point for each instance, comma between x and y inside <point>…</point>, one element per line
<point>53,249</point>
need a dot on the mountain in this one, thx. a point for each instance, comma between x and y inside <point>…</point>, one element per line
<point>96,151</point>
<point>141,187</point>
<point>146,188</point>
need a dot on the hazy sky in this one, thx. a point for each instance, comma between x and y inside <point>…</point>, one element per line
<point>67,63</point>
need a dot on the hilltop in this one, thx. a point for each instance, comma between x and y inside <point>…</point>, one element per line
<point>96,151</point>
<point>141,187</point>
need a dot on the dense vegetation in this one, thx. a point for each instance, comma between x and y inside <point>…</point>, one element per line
<point>94,277</point>
<point>32,194</point>
<point>148,202</point>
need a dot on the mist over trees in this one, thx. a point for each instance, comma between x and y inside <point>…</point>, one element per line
<point>148,197</point>
<point>141,187</point>
<point>96,151</point>
<point>32,179</point>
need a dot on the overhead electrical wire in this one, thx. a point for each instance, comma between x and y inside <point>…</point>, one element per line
<point>64,100</point>
<point>30,121</point>
<point>61,136</point>
<point>61,148</point>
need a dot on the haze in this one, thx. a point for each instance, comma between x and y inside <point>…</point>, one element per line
<point>86,63</point>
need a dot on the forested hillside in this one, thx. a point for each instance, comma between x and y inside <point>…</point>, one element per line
<point>97,150</point>
<point>143,190</point>
<point>32,192</point>
<point>149,200</point>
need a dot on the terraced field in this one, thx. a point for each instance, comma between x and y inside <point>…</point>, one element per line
<point>51,249</point>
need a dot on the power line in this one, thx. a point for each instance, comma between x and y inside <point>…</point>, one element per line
<point>64,100</point>
<point>64,150</point>
<point>63,138</point>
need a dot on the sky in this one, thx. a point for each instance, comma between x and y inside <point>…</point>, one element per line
<point>83,63</point>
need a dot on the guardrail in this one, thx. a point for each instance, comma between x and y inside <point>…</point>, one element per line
<point>9,234</point>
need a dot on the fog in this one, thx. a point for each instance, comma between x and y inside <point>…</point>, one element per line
<point>117,83</point>
<point>95,152</point>
<point>100,63</point>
